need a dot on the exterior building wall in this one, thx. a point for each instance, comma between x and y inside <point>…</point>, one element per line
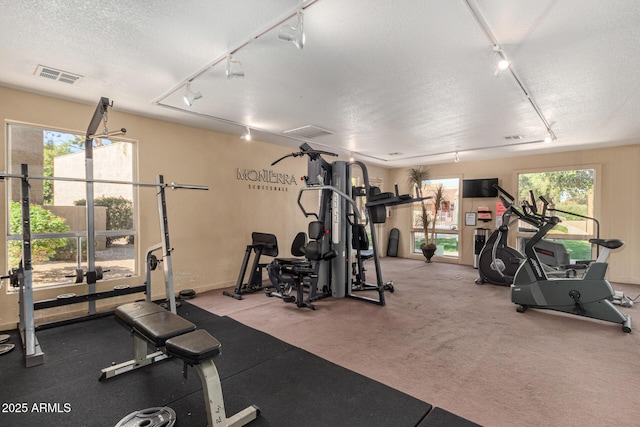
<point>106,165</point>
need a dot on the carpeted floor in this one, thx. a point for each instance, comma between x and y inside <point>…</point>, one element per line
<point>464,348</point>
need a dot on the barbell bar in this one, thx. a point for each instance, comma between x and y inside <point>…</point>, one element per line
<point>80,274</point>
<point>172,185</point>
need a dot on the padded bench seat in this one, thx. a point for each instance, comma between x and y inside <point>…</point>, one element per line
<point>194,347</point>
<point>366,254</point>
<point>153,322</point>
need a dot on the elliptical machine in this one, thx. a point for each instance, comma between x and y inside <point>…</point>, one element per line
<point>590,296</point>
<point>498,262</point>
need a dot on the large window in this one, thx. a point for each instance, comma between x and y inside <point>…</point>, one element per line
<point>571,192</point>
<point>446,219</point>
<point>58,213</point>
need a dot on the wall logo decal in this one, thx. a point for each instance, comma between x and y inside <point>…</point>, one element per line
<point>266,179</point>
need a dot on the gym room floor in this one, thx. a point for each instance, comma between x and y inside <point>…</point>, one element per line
<point>441,341</point>
<point>464,348</point>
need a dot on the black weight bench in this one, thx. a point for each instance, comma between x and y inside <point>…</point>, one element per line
<point>151,324</point>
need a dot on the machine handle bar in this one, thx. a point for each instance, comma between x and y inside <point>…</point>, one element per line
<point>509,201</point>
<point>310,153</point>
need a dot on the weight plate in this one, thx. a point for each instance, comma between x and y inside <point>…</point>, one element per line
<point>150,417</point>
<point>153,262</point>
<point>6,348</point>
<point>99,274</point>
<point>4,338</point>
<point>63,296</point>
<point>79,275</point>
<point>165,305</point>
<point>187,294</point>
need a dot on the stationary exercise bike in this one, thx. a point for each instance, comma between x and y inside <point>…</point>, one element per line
<point>590,296</point>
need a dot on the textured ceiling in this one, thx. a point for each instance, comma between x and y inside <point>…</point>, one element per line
<point>397,83</point>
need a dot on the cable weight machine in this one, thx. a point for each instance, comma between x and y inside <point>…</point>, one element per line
<point>344,224</point>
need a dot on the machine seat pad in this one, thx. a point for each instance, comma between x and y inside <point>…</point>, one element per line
<point>194,347</point>
<point>159,327</point>
<point>607,243</point>
<point>152,322</point>
<point>366,254</point>
<point>128,313</point>
<point>292,261</point>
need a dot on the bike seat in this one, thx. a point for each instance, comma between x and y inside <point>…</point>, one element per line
<point>607,243</point>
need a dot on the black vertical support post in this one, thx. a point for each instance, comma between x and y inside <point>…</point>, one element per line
<point>98,116</point>
<point>374,238</point>
<point>166,245</point>
<point>32,352</point>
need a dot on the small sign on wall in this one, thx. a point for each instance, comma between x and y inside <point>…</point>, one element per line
<point>484,214</point>
<point>470,219</point>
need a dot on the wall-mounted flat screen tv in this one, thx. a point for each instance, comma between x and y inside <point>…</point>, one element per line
<point>479,188</point>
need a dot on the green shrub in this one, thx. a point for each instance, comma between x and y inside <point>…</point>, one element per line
<point>42,221</point>
<point>119,213</point>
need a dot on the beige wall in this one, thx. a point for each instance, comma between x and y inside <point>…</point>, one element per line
<point>617,194</point>
<point>210,229</point>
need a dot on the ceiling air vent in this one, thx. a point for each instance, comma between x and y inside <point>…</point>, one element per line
<point>59,75</point>
<point>308,131</point>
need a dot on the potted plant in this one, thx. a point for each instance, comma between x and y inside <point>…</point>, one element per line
<point>437,194</point>
<point>416,177</point>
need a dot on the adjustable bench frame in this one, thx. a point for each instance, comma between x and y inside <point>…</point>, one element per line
<point>151,325</point>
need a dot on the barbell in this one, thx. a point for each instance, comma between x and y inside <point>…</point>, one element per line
<point>172,185</point>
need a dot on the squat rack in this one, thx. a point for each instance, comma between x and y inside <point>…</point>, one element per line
<point>32,351</point>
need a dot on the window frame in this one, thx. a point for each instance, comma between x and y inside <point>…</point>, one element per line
<point>79,235</point>
<point>554,236</point>
<point>418,231</point>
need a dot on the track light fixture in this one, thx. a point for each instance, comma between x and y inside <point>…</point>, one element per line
<point>500,61</point>
<point>247,134</point>
<point>189,96</point>
<point>295,34</point>
<point>550,137</point>
<point>237,70</point>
